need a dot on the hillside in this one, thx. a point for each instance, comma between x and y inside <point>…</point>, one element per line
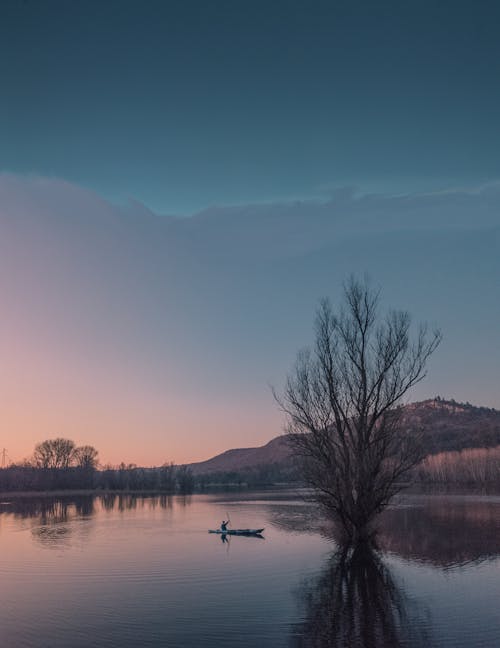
<point>448,425</point>
<point>274,452</point>
<point>445,425</point>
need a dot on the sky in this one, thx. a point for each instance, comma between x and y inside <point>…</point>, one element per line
<point>181,182</point>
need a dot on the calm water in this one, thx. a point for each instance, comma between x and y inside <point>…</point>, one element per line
<point>124,571</point>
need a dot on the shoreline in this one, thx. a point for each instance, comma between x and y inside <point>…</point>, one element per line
<point>435,488</point>
<point>83,493</point>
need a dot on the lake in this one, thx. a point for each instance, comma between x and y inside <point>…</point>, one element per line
<point>143,571</point>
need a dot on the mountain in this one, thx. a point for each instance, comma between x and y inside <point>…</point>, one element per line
<point>274,452</point>
<point>445,426</point>
<point>448,425</point>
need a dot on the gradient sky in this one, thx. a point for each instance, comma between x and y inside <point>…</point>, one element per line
<point>180,182</point>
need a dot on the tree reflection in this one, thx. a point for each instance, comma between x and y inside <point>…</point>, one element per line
<point>131,502</point>
<point>166,501</point>
<point>52,519</point>
<point>51,529</point>
<point>54,510</point>
<point>108,501</point>
<point>47,510</point>
<point>443,531</point>
<point>85,507</point>
<point>356,602</point>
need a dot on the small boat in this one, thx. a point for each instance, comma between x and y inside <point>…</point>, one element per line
<point>242,532</point>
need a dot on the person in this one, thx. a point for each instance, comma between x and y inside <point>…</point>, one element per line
<point>223,525</point>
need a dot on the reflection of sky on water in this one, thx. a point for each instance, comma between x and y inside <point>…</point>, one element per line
<point>124,570</point>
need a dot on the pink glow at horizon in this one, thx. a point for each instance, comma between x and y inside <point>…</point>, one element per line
<point>46,396</point>
<point>119,440</point>
<point>125,421</point>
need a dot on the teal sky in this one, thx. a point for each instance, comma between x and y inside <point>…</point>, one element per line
<point>187,104</point>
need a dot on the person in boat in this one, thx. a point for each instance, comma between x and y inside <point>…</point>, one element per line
<point>223,525</point>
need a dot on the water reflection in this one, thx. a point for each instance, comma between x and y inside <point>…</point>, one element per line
<point>108,501</point>
<point>357,602</point>
<point>52,519</point>
<point>129,570</point>
<point>59,509</point>
<point>443,531</point>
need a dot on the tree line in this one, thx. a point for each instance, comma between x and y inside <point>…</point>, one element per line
<point>476,466</point>
<point>58,464</point>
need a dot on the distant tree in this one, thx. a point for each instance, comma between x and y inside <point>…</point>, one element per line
<point>342,405</point>
<point>86,457</point>
<point>167,477</point>
<point>126,476</point>
<point>185,480</point>
<point>54,453</point>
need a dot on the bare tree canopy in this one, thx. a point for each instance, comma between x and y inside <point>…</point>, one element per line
<point>86,457</point>
<point>63,453</point>
<point>54,453</point>
<point>342,405</point>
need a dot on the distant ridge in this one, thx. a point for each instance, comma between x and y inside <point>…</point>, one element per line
<point>276,451</point>
<point>445,424</point>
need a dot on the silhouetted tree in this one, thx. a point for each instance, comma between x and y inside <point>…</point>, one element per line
<point>167,477</point>
<point>185,480</point>
<point>342,405</point>
<point>86,457</point>
<point>54,453</point>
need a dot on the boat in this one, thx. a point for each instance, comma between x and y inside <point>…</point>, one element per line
<point>241,532</point>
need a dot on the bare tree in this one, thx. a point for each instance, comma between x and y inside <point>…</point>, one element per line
<point>185,480</point>
<point>342,402</point>
<point>167,477</point>
<point>86,457</point>
<point>54,453</point>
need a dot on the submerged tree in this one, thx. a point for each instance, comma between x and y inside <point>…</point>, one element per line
<point>342,402</point>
